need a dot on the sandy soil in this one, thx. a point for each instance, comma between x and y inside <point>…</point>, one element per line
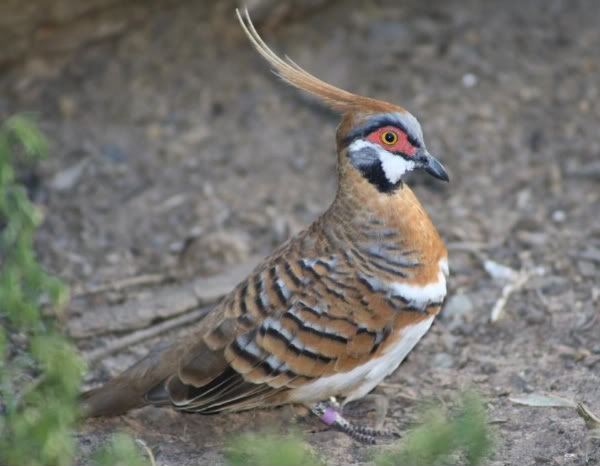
<point>176,153</point>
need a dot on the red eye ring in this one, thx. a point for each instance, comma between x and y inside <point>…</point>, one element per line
<point>389,137</point>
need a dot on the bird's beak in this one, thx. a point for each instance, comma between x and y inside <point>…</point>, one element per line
<point>432,165</point>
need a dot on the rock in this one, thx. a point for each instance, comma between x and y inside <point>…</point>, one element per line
<point>535,316</point>
<point>586,269</point>
<point>591,254</point>
<point>498,271</point>
<point>34,29</point>
<point>458,306</point>
<point>210,254</point>
<point>488,368</point>
<point>195,135</point>
<point>532,238</point>
<point>519,384</point>
<point>113,152</point>
<point>555,285</point>
<point>559,216</point>
<point>67,106</point>
<point>66,180</point>
<point>469,80</point>
<point>443,360</point>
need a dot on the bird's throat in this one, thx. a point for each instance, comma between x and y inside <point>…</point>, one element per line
<point>375,174</point>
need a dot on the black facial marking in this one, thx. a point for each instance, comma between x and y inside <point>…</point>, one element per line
<point>376,176</point>
<point>367,162</point>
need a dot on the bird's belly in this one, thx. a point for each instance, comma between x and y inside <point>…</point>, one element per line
<point>362,379</point>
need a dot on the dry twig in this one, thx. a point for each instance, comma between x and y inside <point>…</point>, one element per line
<point>516,284</point>
<point>144,334</point>
<point>118,285</point>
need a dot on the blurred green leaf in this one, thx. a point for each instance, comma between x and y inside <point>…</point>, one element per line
<point>23,129</point>
<point>441,436</point>
<point>39,387</point>
<point>251,449</point>
<point>38,413</point>
<point>122,451</point>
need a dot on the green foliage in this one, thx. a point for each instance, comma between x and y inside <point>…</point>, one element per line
<point>39,384</point>
<point>38,414</point>
<point>252,449</point>
<point>441,436</point>
<point>438,440</point>
<point>121,451</point>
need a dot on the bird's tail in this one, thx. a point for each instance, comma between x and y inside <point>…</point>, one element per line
<point>130,389</point>
<point>110,400</point>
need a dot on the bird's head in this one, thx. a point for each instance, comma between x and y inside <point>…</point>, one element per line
<point>384,144</point>
<point>379,140</point>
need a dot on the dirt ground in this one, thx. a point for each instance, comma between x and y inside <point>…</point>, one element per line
<point>176,154</point>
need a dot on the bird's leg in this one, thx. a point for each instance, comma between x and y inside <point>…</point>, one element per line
<point>329,414</point>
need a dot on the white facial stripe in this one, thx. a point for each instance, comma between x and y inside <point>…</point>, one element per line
<point>394,166</point>
<point>412,126</point>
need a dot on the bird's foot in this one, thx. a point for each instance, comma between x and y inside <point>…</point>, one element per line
<point>328,414</point>
<point>374,405</point>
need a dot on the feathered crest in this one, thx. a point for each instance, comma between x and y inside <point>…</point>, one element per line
<point>338,99</point>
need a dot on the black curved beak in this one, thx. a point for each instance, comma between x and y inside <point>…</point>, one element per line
<point>432,165</point>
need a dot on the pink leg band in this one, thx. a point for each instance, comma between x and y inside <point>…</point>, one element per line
<point>329,416</point>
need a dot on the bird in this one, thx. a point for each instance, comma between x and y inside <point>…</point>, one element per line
<point>332,311</point>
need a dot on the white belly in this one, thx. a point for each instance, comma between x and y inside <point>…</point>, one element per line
<point>361,380</point>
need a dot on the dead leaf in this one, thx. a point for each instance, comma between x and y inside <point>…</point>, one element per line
<point>543,400</point>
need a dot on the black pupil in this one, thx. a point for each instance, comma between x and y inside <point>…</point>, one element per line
<point>389,137</point>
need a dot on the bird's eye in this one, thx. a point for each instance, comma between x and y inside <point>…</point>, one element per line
<point>389,137</point>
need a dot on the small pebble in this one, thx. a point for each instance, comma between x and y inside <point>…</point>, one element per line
<point>456,306</point>
<point>499,271</point>
<point>113,152</point>
<point>469,80</point>
<point>534,316</point>
<point>195,135</point>
<point>519,383</point>
<point>176,247</point>
<point>488,368</point>
<point>443,360</point>
<point>559,216</point>
<point>67,106</point>
<point>113,258</point>
<point>154,131</point>
<point>66,180</point>
<point>533,238</point>
<point>586,269</point>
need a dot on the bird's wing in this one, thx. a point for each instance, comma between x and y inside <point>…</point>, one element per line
<point>303,314</point>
